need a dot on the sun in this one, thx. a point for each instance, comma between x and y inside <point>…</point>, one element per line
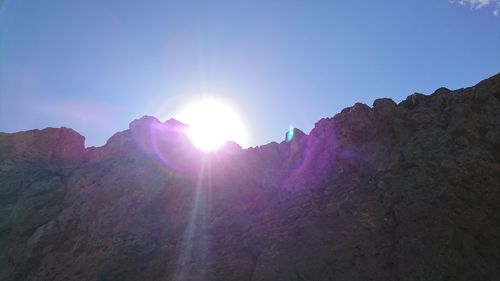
<point>211,124</point>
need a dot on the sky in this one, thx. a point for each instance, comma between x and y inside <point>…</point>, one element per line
<point>95,66</point>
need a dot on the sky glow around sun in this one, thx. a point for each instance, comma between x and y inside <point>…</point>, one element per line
<point>212,123</point>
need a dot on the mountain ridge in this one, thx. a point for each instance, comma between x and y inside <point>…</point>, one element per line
<point>407,191</point>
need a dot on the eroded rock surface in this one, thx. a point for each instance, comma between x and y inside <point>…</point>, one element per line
<point>407,191</point>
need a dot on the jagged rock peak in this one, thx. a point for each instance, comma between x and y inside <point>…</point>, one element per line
<point>50,144</point>
<point>442,91</point>
<point>294,134</point>
<point>174,122</point>
<point>144,121</point>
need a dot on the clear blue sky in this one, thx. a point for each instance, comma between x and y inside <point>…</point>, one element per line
<point>96,65</point>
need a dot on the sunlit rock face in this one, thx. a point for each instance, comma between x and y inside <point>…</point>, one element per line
<point>407,191</point>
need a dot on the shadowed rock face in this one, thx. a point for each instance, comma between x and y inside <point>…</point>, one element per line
<point>407,191</point>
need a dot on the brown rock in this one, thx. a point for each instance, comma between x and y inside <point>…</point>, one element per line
<point>393,192</point>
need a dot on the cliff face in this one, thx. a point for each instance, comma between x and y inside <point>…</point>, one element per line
<point>407,191</point>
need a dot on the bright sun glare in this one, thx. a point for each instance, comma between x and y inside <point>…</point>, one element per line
<point>211,124</point>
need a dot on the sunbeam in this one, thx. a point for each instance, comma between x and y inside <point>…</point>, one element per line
<point>196,251</point>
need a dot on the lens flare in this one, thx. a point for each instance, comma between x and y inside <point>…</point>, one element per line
<point>290,133</point>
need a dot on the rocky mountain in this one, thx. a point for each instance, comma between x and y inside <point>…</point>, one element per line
<point>407,191</point>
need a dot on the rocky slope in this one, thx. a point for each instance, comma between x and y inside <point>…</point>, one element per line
<point>407,191</point>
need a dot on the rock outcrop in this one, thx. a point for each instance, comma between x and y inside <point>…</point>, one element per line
<point>407,191</point>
